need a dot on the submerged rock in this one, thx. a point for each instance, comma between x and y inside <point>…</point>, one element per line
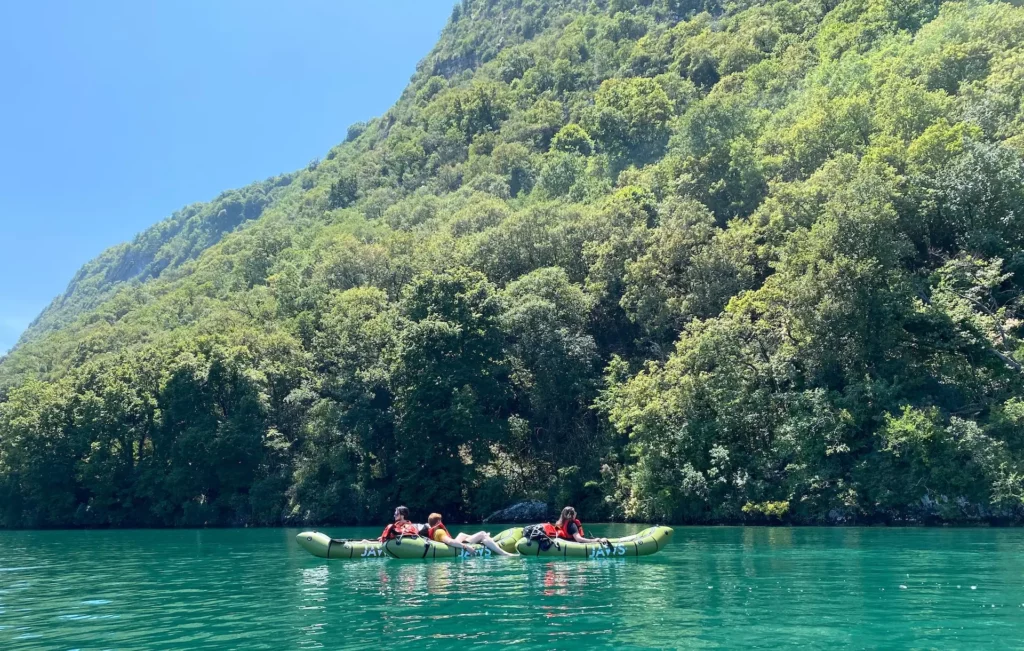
<point>528,512</point>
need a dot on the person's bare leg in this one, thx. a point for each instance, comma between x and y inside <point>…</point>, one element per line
<point>489,543</point>
<point>482,538</point>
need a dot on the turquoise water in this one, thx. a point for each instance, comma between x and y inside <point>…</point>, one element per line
<point>712,588</point>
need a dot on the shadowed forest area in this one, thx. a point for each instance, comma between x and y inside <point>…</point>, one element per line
<point>664,260</point>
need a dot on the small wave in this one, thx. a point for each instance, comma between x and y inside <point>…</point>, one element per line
<point>78,617</point>
<point>96,602</point>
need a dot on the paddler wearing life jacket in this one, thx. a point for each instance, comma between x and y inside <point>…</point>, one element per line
<point>400,527</point>
<point>568,527</point>
<point>438,532</point>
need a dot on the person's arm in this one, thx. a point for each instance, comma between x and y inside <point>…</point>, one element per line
<point>578,537</point>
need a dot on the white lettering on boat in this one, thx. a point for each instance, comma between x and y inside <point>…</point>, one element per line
<point>605,552</point>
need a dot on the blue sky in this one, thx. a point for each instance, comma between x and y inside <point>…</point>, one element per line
<point>116,113</point>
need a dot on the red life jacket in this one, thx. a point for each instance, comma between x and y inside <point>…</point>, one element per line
<point>432,530</point>
<point>394,530</point>
<point>563,531</point>
<point>550,530</point>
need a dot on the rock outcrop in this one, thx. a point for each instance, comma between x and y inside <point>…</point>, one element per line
<point>525,512</point>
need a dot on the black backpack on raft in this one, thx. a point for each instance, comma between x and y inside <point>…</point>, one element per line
<point>535,533</point>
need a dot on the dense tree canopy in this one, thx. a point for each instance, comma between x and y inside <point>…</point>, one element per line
<point>662,259</point>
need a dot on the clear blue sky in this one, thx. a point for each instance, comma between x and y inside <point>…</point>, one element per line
<point>116,113</point>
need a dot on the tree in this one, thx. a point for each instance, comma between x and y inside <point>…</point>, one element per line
<point>449,378</point>
<point>344,192</point>
<point>631,119</point>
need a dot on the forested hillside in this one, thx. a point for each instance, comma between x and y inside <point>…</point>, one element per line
<point>673,260</point>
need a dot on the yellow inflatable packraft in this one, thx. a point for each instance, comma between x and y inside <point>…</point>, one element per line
<point>644,543</point>
<point>323,546</point>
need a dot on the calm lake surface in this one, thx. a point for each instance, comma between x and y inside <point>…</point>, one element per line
<point>711,588</point>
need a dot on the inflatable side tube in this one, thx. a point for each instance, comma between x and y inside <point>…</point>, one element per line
<point>647,542</point>
<point>662,533</point>
<point>508,538</point>
<point>419,547</point>
<point>323,546</point>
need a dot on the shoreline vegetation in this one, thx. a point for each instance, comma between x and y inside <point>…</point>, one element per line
<point>685,261</point>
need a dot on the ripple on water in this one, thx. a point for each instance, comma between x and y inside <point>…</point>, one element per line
<point>77,617</point>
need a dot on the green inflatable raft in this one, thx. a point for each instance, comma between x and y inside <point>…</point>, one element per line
<point>323,546</point>
<point>644,543</point>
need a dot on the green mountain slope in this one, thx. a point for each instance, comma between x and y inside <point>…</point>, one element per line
<point>665,260</point>
<point>158,250</point>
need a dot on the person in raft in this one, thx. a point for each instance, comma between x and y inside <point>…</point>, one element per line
<point>569,528</point>
<point>400,527</point>
<point>438,532</point>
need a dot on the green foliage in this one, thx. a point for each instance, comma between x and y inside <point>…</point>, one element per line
<point>471,111</point>
<point>768,509</point>
<point>450,386</point>
<point>789,232</point>
<point>631,120</point>
<point>344,192</point>
<point>573,139</point>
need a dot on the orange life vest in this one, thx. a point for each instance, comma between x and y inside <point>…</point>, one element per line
<point>432,530</point>
<point>563,531</point>
<point>394,530</point>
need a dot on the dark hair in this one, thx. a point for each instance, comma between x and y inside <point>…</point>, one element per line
<point>403,511</point>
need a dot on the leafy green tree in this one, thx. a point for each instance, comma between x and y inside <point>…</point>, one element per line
<point>38,450</point>
<point>553,363</point>
<point>631,119</point>
<point>573,138</point>
<point>344,192</point>
<point>450,384</point>
<point>210,440</point>
<point>477,109</point>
